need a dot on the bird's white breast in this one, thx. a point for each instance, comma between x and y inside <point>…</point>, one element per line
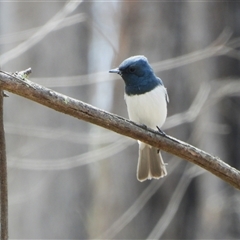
<point>149,108</point>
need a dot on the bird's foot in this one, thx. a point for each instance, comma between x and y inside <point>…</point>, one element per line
<point>161,132</point>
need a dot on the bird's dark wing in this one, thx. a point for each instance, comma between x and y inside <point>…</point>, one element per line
<point>166,94</point>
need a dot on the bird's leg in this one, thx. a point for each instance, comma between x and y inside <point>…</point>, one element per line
<point>161,132</point>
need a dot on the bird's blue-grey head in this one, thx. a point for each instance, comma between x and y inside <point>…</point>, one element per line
<point>138,75</point>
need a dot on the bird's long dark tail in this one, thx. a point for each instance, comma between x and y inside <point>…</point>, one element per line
<point>150,164</point>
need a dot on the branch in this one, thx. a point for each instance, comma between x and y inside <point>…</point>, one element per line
<point>3,176</point>
<point>86,112</point>
<point>47,28</point>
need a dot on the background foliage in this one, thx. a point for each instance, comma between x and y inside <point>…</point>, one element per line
<point>72,180</point>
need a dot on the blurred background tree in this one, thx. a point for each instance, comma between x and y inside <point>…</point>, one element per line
<point>72,180</point>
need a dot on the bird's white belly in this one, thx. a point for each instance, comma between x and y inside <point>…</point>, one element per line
<point>149,109</point>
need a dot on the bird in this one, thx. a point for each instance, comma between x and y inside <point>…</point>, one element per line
<point>146,99</point>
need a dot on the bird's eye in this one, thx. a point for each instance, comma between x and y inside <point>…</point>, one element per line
<point>132,69</point>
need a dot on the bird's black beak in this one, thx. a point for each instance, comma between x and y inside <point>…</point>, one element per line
<point>115,70</point>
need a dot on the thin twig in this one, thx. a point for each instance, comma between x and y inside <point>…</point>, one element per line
<point>52,24</point>
<point>173,204</point>
<point>136,206</point>
<point>3,176</point>
<point>86,112</point>
<point>14,37</point>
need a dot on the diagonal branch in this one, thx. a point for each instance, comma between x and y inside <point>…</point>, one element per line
<point>53,23</point>
<point>86,112</point>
